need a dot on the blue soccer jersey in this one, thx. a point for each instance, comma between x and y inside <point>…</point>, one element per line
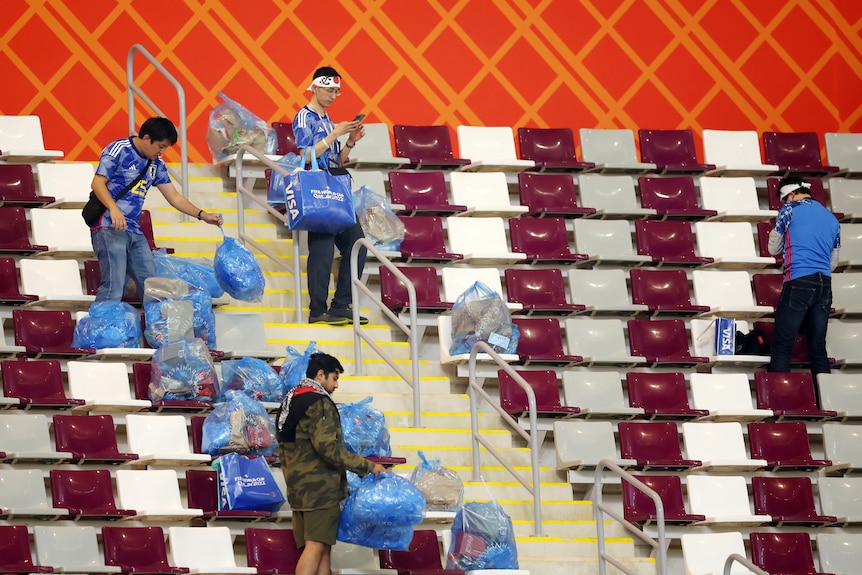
<point>120,163</point>
<point>810,233</point>
<point>310,127</point>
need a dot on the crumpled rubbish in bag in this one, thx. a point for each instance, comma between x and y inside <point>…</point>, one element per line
<point>479,314</point>
<point>232,125</point>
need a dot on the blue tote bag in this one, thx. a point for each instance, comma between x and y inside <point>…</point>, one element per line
<point>318,201</point>
<point>246,484</point>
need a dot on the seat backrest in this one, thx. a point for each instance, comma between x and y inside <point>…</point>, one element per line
<point>545,386</point>
<point>637,505</point>
<point>851,242</point>
<point>845,290</point>
<point>15,553</point>
<point>839,496</point>
<point>816,191</point>
<point>16,181</point>
<point>543,237</point>
<point>93,277</point>
<point>147,489</point>
<point>664,239</point>
<point>25,433</point>
<point>607,192</point>
<point>731,147</point>
<point>51,278</point>
<point>657,391</point>
<point>36,381</point>
<point>843,444</point>
<point>9,281</point>
<point>658,338</point>
<point>486,143</point>
<point>21,133</point>
<point>603,237</point>
<point>708,441</point>
<point>799,351</point>
<point>61,229</point>
<point>844,150</point>
<point>667,147</point>
<point>418,188</point>
<point>99,381</point>
<point>728,194</point>
<point>70,181</point>
<point>708,552</point>
<point>586,441</point>
<point>162,434</point>
<point>481,190</point>
<point>795,150</point>
<point>660,287</point>
<point>724,239</point>
<point>22,488</point>
<point>656,441</point>
<point>840,391</point>
<point>424,279</point>
<point>667,194</point>
<point>547,145</point>
<point>720,391</point>
<point>240,331</point>
<point>540,337</point>
<point>284,138</point>
<point>478,236</point>
<point>423,235</point>
<point>787,496</point>
<point>842,339</point>
<point>788,553</point>
<point>136,549</point>
<point>726,288</point>
<point>781,442</point>
<point>13,228</point>
<point>423,142</point>
<point>839,552</point>
<point>203,548</point>
<point>763,229</point>
<point>596,338</point>
<point>599,287</point>
<point>92,436</point>
<point>792,391</point>
<point>371,179</point>
<point>845,195</point>
<point>376,142</point>
<point>86,490</point>
<point>424,553</point>
<point>718,495</point>
<point>202,489</point>
<point>767,288</point>
<point>271,550</point>
<point>549,191</point>
<point>593,389</point>
<point>457,280</point>
<point>608,146</point>
<point>73,548</point>
<point>47,329</point>
<point>535,286</point>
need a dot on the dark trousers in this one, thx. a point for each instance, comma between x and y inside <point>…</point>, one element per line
<point>321,251</point>
<point>804,306</point>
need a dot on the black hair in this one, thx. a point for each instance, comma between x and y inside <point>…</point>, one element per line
<point>159,129</point>
<point>791,180</point>
<point>323,361</point>
<point>325,71</point>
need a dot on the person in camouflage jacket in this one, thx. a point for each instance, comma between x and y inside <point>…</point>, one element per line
<point>314,460</point>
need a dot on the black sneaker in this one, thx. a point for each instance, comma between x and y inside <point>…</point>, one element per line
<point>347,314</point>
<point>328,319</point>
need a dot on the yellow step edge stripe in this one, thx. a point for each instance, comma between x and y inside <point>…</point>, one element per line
<point>547,539</point>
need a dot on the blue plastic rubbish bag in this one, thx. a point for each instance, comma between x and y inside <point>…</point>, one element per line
<point>108,324</point>
<point>253,376</point>
<point>197,271</point>
<point>183,370</point>
<point>295,365</point>
<point>378,221</point>
<point>175,310</point>
<point>364,429</point>
<point>442,487</point>
<point>246,484</point>
<point>238,424</point>
<point>480,314</point>
<point>482,538</point>
<point>237,270</point>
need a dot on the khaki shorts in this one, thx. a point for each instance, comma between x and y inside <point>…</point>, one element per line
<point>320,525</point>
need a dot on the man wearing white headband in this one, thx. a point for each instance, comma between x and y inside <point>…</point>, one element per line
<point>809,237</point>
<point>313,127</point>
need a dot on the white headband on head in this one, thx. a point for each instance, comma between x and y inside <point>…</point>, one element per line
<point>790,188</point>
<point>325,82</point>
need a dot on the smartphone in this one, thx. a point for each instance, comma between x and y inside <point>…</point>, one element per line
<point>359,117</point>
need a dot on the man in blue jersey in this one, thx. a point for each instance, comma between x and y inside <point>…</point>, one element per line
<point>313,127</point>
<point>809,237</point>
<point>119,243</point>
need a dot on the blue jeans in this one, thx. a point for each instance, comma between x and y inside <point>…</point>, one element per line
<point>804,306</point>
<point>321,252</point>
<point>121,255</point>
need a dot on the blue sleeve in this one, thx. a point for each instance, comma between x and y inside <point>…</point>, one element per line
<point>783,219</point>
<point>107,165</point>
<point>302,135</point>
<point>162,176</point>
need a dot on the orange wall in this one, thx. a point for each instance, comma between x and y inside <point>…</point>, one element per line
<point>728,64</point>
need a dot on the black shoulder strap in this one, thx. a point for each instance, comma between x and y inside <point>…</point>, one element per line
<point>128,188</point>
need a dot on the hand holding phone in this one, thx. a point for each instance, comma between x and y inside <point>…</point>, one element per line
<point>359,117</point>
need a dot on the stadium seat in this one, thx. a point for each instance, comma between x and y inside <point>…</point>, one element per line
<point>21,141</point>
<point>46,333</point>
<point>845,197</point>
<point>719,446</point>
<point>490,148</point>
<point>783,553</point>
<point>662,342</point>
<point>425,283</point>
<point>57,283</point>
<point>138,550</point>
<point>661,395</point>
<point>723,499</point>
<point>69,182</point>
<point>789,395</point>
<point>146,223</point>
<point>10,292</point>
<point>24,437</point>
<point>842,342</point>
<point>271,550</point>
<point>767,290</point>
<point>482,240</point>
<point>600,342</point>
<point>551,149</point>
<point>735,153</point>
<point>154,494</point>
<point>63,231</point>
<point>845,151</point>
<point>202,492</point>
<point>36,384</point>
<point>93,277</point>
<point>14,234</point>
<point>70,549</point>
<point>841,392</point>
<point>580,444</point>
<point>141,380</point>
<point>538,291</point>
<point>708,552</point>
<point>795,153</point>
<point>613,197</point>
<point>484,194</point>
<point>763,229</point>
<point>799,351</point>
<point>816,191</point>
<point>428,147</point>
<point>671,197</point>
<point>845,290</point>
<point>839,496</point>
<point>727,396</point>
<point>603,291</point>
<point>161,440</point>
<point>839,552</point>
<point>89,438</point>
<point>703,338</point>
<point>550,195</point>
<point>16,556</point>
<point>541,342</point>
<point>597,393</point>
<point>18,187</point>
<point>285,141</point>
<point>243,335</point>
<point>543,240</point>
<point>640,508</point>
<point>612,151</point>
<point>730,244</point>
<point>22,494</point>
<point>672,151</point>
<point>654,445</point>
<point>420,193</point>
<point>664,292</point>
<point>371,179</point>
<point>850,256</point>
<point>204,550</point>
<point>458,280</point>
<point>727,293</point>
<point>607,242</point>
<point>734,199</point>
<point>424,241</point>
<point>422,557</point>
<point>444,335</point>
<point>104,386</point>
<point>789,500</point>
<point>668,243</point>
<point>374,150</point>
<point>513,399</point>
<point>783,446</point>
<point>842,447</point>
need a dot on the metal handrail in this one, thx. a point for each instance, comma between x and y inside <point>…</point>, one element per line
<point>410,330</point>
<point>473,389</point>
<point>600,509</point>
<point>744,561</point>
<point>242,194</point>
<point>133,89</point>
